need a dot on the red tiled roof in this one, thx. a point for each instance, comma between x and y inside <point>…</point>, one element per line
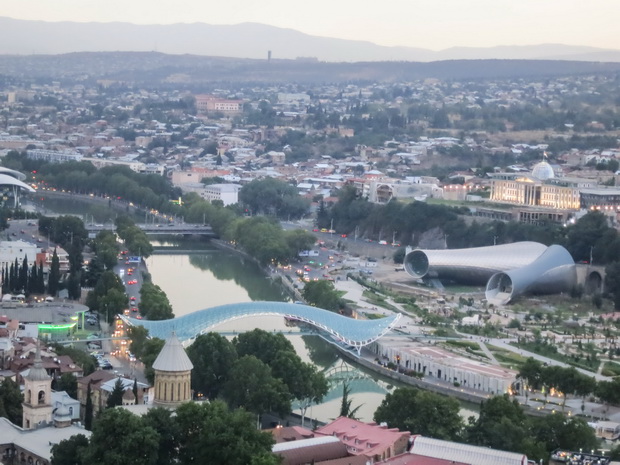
<point>362,438</point>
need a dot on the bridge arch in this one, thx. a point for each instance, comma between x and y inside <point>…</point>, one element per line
<point>356,333</point>
<point>594,283</point>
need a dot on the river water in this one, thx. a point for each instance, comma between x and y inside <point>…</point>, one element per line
<point>212,277</point>
<point>195,275</point>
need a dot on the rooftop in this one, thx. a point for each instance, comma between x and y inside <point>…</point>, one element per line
<point>173,357</point>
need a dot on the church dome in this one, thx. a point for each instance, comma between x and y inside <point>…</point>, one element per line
<point>543,171</point>
<point>62,413</point>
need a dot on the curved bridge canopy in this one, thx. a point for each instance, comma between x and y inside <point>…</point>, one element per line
<point>356,333</point>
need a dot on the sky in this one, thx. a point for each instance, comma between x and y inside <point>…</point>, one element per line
<point>429,24</point>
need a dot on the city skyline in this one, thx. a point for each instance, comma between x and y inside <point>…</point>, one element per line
<point>424,24</point>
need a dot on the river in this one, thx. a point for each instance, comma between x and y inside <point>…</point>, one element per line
<point>204,277</point>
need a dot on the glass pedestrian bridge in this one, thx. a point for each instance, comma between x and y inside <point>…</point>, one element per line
<point>349,331</point>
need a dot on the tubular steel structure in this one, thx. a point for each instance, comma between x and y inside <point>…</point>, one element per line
<point>551,273</point>
<point>355,333</point>
<point>508,270</point>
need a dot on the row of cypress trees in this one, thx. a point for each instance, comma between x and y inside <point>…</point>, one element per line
<point>29,279</point>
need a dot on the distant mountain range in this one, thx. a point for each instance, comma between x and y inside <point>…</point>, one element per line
<point>251,40</point>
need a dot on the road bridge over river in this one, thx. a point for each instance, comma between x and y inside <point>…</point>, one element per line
<point>159,229</point>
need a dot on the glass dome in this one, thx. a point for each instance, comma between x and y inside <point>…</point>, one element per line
<point>543,171</point>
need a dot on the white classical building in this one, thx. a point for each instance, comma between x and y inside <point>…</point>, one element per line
<point>435,362</point>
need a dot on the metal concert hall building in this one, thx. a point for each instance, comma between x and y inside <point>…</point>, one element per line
<point>508,270</point>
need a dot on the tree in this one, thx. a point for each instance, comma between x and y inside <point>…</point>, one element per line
<point>105,246</point>
<point>612,282</point>
<point>135,239</point>
<point>116,396</point>
<point>561,432</point>
<point>273,197</point>
<point>68,383</point>
<point>322,294</point>
<point>212,433</point>
<point>154,304</point>
<point>23,275</point>
<point>345,404</point>
<point>70,451</point>
<point>73,285</point>
<point>135,390</point>
<point>305,383</point>
<point>163,421</point>
<point>261,237</point>
<point>112,303</point>
<point>262,344</point>
<point>212,356</point>
<point>81,358</point>
<point>589,236</point>
<point>151,349</point>
<point>608,391</point>
<point>138,336</point>
<point>88,409</point>
<point>298,240</point>
<point>252,386</point>
<point>500,425</point>
<point>53,279</point>
<point>121,437</point>
<point>11,401</point>
<point>531,371</point>
<point>421,412</point>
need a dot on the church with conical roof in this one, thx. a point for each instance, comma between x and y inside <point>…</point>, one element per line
<point>173,372</point>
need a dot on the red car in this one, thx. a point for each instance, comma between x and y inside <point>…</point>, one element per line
<point>132,298</point>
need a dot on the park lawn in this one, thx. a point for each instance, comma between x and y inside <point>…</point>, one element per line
<point>378,300</point>
<point>374,316</point>
<point>611,369</point>
<point>506,358</point>
<point>464,344</point>
<point>544,350</point>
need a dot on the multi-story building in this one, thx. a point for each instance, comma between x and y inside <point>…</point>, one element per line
<point>53,156</point>
<point>207,103</point>
<point>552,198</point>
<point>17,250</point>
